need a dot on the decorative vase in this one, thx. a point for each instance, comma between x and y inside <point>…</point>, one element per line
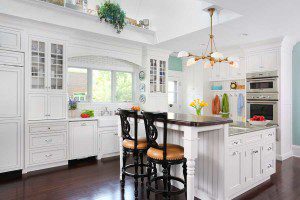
<point>198,111</point>
<point>72,113</point>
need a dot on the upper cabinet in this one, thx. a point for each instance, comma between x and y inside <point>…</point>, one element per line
<point>48,65</point>
<point>10,39</point>
<point>266,60</point>
<point>157,75</point>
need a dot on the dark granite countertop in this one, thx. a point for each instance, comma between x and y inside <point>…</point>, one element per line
<point>193,120</point>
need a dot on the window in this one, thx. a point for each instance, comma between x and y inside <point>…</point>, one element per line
<point>172,92</point>
<point>101,86</point>
<point>94,85</point>
<point>123,86</point>
<point>77,83</point>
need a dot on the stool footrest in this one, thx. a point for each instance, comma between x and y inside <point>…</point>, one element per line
<point>157,191</point>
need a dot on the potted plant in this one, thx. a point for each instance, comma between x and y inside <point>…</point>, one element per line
<point>72,107</point>
<point>113,14</point>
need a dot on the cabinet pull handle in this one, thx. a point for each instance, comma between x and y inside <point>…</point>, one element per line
<point>235,153</point>
<point>48,140</point>
<point>270,148</point>
<point>255,151</point>
<point>269,166</point>
<point>270,134</point>
<point>236,142</point>
<point>116,134</point>
<point>48,155</point>
<point>83,124</point>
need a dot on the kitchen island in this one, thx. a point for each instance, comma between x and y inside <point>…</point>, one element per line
<point>218,164</point>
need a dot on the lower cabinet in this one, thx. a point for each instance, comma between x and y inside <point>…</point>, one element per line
<point>83,139</point>
<point>108,142</point>
<point>10,145</point>
<point>251,158</point>
<point>46,145</point>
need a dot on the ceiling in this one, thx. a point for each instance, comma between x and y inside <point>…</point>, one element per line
<point>260,19</point>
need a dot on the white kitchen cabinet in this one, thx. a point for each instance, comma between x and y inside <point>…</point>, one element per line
<point>11,58</point>
<point>224,70</point>
<point>253,165</point>
<point>83,139</point>
<point>11,91</point>
<point>57,106</point>
<point>158,70</point>
<point>235,167</point>
<point>47,106</point>
<point>109,143</point>
<point>10,39</point>
<point>10,145</point>
<point>48,68</point>
<point>239,72</point>
<point>215,72</point>
<point>265,60</point>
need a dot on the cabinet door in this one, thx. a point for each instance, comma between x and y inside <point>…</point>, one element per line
<point>83,139</point>
<point>110,142</point>
<point>254,63</point>
<point>10,145</point>
<point>57,69</point>
<point>235,160</point>
<point>37,107</point>
<point>10,39</point>
<point>253,165</point>
<point>270,60</point>
<point>38,64</point>
<point>153,75</point>
<point>57,106</point>
<point>11,91</point>
<point>239,72</point>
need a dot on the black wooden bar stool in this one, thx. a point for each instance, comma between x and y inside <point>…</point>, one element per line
<point>136,147</point>
<point>163,154</point>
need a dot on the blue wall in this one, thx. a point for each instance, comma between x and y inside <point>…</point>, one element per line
<point>175,64</point>
<point>296,94</point>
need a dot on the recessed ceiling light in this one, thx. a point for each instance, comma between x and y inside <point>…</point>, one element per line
<point>244,34</point>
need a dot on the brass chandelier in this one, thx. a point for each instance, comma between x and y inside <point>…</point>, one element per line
<point>211,57</point>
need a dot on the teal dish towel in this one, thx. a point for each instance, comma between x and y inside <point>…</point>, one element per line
<point>225,106</point>
<point>240,105</point>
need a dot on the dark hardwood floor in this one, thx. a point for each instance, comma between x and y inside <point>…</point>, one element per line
<point>90,179</point>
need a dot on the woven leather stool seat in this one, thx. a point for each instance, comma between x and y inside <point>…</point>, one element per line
<point>174,152</point>
<point>141,144</point>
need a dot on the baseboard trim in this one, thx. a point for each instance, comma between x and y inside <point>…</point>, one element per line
<point>282,157</point>
<point>296,150</point>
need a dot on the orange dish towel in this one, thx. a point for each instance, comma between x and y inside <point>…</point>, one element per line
<point>216,105</point>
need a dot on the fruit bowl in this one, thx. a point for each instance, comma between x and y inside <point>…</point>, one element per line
<point>259,123</point>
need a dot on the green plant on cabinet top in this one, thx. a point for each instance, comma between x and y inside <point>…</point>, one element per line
<point>113,14</point>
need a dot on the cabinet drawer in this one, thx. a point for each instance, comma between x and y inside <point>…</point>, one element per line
<point>44,128</point>
<point>10,39</point>
<point>269,149</point>
<point>47,156</point>
<point>269,134</point>
<point>11,58</point>
<point>269,165</point>
<point>253,137</point>
<point>46,140</point>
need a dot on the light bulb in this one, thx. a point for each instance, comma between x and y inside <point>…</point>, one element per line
<point>217,56</point>
<point>191,61</point>
<point>233,64</point>
<point>207,64</point>
<point>182,54</point>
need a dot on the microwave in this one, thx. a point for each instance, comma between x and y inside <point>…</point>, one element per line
<point>262,82</point>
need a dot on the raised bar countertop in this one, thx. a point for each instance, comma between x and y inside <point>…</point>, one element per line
<point>193,120</point>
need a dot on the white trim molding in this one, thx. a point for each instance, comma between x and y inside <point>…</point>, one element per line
<point>296,151</point>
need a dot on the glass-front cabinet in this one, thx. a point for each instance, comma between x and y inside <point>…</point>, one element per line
<point>47,65</point>
<point>157,76</point>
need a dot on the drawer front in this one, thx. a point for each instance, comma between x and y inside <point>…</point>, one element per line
<point>269,165</point>
<point>11,58</point>
<point>48,128</point>
<point>269,134</point>
<point>10,39</point>
<point>269,149</point>
<point>47,156</point>
<point>46,140</point>
<point>253,137</point>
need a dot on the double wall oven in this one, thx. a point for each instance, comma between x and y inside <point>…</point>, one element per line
<point>262,95</point>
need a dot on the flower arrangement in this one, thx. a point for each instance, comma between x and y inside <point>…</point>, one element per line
<point>113,14</point>
<point>198,105</point>
<point>72,104</point>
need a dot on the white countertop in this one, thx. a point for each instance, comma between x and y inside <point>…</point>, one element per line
<point>70,119</point>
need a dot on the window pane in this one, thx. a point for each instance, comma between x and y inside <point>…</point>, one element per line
<point>77,83</point>
<point>101,86</point>
<point>123,86</point>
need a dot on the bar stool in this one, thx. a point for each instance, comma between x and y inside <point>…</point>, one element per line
<point>136,147</point>
<point>163,154</point>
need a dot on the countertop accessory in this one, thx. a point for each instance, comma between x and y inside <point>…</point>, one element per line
<point>233,85</point>
<point>142,98</point>
<point>259,123</point>
<point>198,105</point>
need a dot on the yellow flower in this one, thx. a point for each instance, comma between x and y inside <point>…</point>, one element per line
<point>192,104</point>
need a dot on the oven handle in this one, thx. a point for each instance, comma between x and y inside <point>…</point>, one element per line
<point>261,79</point>
<point>263,102</point>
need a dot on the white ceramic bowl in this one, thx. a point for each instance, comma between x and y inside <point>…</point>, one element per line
<point>259,123</point>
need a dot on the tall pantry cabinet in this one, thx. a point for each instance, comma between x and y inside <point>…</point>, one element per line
<point>11,100</point>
